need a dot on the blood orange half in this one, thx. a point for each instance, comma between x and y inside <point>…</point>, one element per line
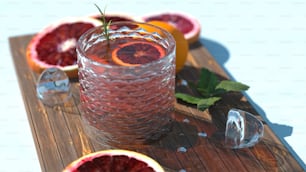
<point>181,43</point>
<point>114,160</point>
<point>54,46</point>
<point>137,52</point>
<point>187,24</point>
<point>116,16</point>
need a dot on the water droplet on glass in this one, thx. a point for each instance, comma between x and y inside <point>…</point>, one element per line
<point>53,87</point>
<point>242,129</point>
<point>181,149</point>
<point>202,134</point>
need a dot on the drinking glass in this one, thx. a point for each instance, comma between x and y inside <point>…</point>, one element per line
<point>124,105</point>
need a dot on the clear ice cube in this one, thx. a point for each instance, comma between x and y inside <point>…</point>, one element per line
<point>242,129</point>
<point>53,87</point>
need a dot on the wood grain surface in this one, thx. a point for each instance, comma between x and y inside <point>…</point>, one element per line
<point>60,138</point>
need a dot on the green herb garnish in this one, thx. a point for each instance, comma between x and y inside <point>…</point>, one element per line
<point>105,24</point>
<point>210,89</point>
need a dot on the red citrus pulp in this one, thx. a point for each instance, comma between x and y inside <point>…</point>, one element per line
<point>114,160</point>
<point>187,24</point>
<point>180,41</point>
<point>115,17</point>
<point>127,52</point>
<point>137,52</point>
<point>54,46</point>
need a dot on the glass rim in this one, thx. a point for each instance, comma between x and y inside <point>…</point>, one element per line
<point>171,49</point>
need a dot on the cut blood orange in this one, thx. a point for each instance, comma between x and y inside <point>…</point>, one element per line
<point>116,16</point>
<point>137,52</point>
<point>114,160</point>
<point>187,24</point>
<point>55,45</point>
<point>181,43</point>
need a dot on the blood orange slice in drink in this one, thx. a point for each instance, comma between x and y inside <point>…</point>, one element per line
<point>136,53</point>
<point>181,43</point>
<point>187,24</point>
<point>54,46</point>
<point>114,160</point>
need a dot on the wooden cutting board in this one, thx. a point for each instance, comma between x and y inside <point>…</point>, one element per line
<point>59,136</point>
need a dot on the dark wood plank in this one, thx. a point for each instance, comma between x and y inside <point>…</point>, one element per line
<point>38,117</point>
<point>60,138</point>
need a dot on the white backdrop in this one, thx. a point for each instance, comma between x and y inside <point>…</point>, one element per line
<point>261,43</point>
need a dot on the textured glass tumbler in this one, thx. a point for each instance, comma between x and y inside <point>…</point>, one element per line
<point>124,105</point>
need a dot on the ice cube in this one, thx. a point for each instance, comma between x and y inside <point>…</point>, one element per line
<point>243,129</point>
<point>53,87</point>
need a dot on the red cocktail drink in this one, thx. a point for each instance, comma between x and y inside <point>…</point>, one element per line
<point>126,83</point>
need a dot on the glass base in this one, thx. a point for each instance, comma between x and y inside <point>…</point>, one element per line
<point>127,135</point>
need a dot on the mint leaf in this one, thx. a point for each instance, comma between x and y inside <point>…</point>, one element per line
<point>188,98</point>
<point>207,102</point>
<point>210,89</point>
<point>207,82</point>
<point>202,103</point>
<point>232,86</point>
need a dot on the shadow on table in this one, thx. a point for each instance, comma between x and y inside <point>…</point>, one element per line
<point>221,54</point>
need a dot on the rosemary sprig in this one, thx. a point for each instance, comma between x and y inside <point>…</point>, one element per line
<point>105,24</point>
